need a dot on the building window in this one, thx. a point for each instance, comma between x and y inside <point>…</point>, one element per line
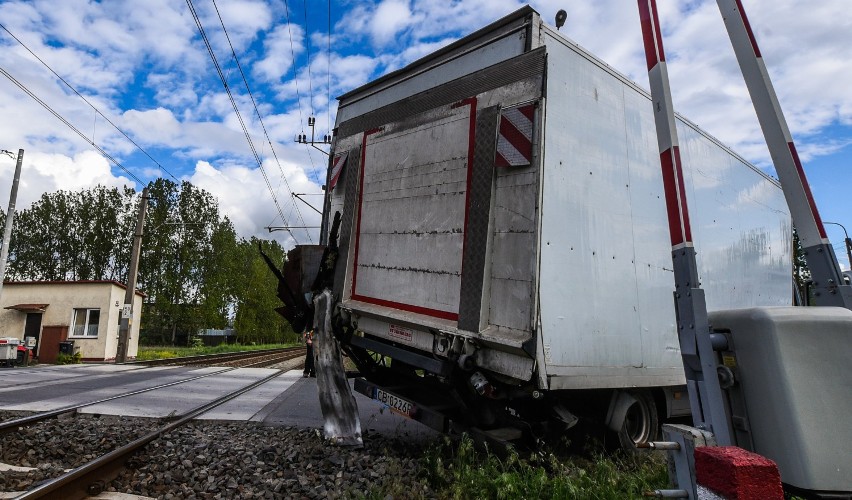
<point>86,322</point>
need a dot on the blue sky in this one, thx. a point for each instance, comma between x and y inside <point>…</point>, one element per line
<point>143,64</point>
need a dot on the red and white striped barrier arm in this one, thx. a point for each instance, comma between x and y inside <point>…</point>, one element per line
<point>787,164</point>
<point>676,204</point>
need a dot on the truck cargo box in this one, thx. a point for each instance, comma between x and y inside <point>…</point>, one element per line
<point>502,205</point>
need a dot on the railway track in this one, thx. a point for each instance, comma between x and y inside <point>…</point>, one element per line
<point>243,359</point>
<point>91,478</point>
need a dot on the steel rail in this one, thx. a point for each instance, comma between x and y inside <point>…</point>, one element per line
<point>85,480</point>
<point>273,360</point>
<point>13,425</point>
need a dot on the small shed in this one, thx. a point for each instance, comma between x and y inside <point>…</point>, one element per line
<point>213,337</point>
<point>46,314</point>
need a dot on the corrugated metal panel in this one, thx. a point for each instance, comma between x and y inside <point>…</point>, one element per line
<point>349,181</point>
<point>519,68</point>
<point>476,250</point>
<point>513,248</point>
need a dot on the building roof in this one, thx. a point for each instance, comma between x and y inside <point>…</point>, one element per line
<point>28,308</point>
<point>72,282</point>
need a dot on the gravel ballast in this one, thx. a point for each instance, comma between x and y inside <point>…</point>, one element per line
<point>216,460</point>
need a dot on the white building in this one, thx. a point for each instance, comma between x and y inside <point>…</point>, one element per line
<point>86,313</point>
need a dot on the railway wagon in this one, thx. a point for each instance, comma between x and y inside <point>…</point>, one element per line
<point>504,254</point>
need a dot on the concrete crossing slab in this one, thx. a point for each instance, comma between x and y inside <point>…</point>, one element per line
<point>33,378</point>
<point>157,376</point>
<point>248,405</point>
<point>180,399</point>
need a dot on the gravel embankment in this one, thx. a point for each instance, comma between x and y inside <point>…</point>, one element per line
<point>217,460</point>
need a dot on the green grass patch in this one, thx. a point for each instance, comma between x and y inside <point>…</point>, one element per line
<point>459,471</point>
<point>148,353</point>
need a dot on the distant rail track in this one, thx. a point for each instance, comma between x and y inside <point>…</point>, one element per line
<point>242,359</point>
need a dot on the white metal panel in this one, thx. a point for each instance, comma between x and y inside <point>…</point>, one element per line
<point>588,287</point>
<point>605,280</point>
<point>412,213</point>
<point>494,52</point>
<point>744,236</point>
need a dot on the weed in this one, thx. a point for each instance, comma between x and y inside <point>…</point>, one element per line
<point>458,471</point>
<point>69,359</point>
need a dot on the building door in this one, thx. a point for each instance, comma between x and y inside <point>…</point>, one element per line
<point>32,328</point>
<point>51,337</point>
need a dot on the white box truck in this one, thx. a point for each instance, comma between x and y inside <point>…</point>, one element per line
<point>504,254</point>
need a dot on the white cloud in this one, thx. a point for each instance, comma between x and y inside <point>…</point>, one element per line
<point>389,18</point>
<point>280,45</point>
<point>41,173</point>
<point>244,196</point>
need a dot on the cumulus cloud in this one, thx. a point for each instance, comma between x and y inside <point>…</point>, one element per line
<point>245,197</point>
<point>41,173</point>
<point>280,45</point>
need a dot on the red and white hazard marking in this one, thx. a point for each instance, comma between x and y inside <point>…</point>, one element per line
<point>336,169</point>
<point>514,144</point>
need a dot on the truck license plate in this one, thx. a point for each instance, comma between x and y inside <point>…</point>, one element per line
<point>396,405</point>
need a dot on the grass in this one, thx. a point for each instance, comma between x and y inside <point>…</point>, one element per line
<point>148,353</point>
<point>456,470</point>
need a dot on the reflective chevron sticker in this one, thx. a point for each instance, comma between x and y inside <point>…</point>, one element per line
<point>514,144</point>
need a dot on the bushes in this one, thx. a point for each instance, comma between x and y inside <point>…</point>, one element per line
<point>69,359</point>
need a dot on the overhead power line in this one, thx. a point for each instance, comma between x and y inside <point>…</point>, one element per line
<point>69,125</point>
<point>294,65</point>
<point>328,68</point>
<point>308,53</point>
<point>159,165</point>
<point>257,159</point>
<point>259,117</point>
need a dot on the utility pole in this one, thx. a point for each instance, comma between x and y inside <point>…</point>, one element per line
<point>130,292</point>
<point>10,217</point>
<point>303,139</point>
<point>848,241</point>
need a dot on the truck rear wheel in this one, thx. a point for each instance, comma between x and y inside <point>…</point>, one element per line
<point>641,423</point>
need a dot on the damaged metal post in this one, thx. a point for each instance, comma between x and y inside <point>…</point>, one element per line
<point>339,409</point>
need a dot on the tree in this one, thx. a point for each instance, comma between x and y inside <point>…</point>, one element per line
<point>194,270</point>
<point>256,319</point>
<point>801,271</point>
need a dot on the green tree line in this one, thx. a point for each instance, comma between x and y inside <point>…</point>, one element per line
<point>195,271</point>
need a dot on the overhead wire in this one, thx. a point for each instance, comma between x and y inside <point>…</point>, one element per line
<point>328,69</point>
<point>308,53</point>
<point>260,118</point>
<point>81,96</point>
<point>310,86</point>
<point>212,54</point>
<point>296,80</point>
<point>69,125</point>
